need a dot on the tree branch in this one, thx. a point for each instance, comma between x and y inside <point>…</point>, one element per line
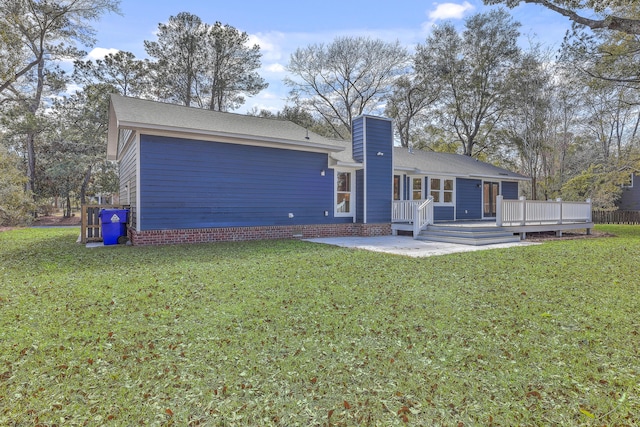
<point>615,23</point>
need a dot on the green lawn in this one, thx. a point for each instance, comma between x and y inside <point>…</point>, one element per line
<point>294,333</point>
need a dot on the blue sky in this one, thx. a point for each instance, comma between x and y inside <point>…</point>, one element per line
<point>280,27</point>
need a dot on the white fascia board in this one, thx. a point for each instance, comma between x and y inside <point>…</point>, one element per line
<point>349,165</point>
<point>453,175</point>
<point>500,177</point>
<point>229,137</point>
<point>112,135</point>
<point>402,170</point>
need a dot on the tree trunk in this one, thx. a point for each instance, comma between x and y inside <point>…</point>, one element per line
<point>83,187</point>
<point>31,162</point>
<point>67,209</point>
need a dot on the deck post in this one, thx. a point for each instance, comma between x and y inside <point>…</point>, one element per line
<point>559,200</point>
<point>589,215</point>
<point>416,220</point>
<point>523,202</point>
<point>499,211</point>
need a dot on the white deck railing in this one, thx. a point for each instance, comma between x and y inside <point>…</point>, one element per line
<point>417,212</point>
<point>422,216</point>
<point>402,210</point>
<point>535,212</point>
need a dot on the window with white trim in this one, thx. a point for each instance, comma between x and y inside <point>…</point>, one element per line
<point>441,189</point>
<point>416,188</point>
<point>344,193</point>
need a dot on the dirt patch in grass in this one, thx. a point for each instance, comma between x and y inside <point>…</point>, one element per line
<point>50,221</point>
<point>53,220</point>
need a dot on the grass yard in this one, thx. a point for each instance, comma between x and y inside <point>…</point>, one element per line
<point>292,333</point>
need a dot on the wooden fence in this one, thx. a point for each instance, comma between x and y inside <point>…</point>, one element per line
<point>90,229</point>
<point>616,217</point>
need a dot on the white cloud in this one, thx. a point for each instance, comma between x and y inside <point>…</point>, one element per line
<point>100,53</point>
<point>275,68</point>
<point>450,11</point>
<point>271,45</point>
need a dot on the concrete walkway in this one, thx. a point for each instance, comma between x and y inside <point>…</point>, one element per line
<point>406,245</point>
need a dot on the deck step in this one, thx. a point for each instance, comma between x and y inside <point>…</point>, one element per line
<point>476,236</point>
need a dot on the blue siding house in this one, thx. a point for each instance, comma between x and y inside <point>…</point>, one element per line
<point>192,175</point>
<point>630,198</point>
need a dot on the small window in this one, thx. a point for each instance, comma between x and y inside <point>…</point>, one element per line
<point>343,193</point>
<point>396,187</point>
<point>416,185</point>
<point>441,189</point>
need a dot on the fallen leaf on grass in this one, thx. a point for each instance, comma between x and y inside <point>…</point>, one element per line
<point>587,413</point>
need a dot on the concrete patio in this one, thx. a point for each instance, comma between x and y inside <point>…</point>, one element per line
<point>407,246</point>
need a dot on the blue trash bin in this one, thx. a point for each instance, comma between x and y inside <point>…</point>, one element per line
<point>114,225</point>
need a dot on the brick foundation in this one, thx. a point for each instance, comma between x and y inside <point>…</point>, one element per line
<point>203,235</point>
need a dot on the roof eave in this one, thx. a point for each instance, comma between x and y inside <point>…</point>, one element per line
<point>195,132</point>
<point>501,177</point>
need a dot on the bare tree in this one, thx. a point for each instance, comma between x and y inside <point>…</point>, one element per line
<point>349,77</point>
<point>473,68</point>
<point>408,103</point>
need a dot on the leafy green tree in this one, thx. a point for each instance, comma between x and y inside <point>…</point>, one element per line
<point>600,183</point>
<point>77,142</point>
<point>16,206</point>
<point>231,67</point>
<point>473,68</point>
<point>209,66</point>
<point>122,70</point>
<point>34,31</point>
<point>349,77</point>
<point>179,57</point>
<point>39,32</point>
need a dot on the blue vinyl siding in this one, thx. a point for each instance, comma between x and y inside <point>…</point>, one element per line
<point>443,213</point>
<point>630,199</point>
<point>199,184</point>
<point>357,136</point>
<point>127,173</point>
<point>468,198</point>
<point>379,170</point>
<point>360,196</point>
<point>510,190</point>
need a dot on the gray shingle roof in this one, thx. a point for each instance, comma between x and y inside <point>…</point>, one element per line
<point>133,113</point>
<point>430,162</point>
<point>139,114</point>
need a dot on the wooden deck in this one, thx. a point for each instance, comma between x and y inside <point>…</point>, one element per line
<point>513,218</point>
<point>486,231</point>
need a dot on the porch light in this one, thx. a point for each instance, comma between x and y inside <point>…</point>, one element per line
<point>322,172</point>
<point>380,153</point>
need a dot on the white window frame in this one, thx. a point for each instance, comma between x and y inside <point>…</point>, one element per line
<point>352,193</point>
<point>442,190</point>
<point>422,190</point>
<point>400,185</point>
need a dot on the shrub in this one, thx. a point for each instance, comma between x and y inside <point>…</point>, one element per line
<point>16,205</point>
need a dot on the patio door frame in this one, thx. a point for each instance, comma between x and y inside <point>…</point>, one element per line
<point>490,192</point>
